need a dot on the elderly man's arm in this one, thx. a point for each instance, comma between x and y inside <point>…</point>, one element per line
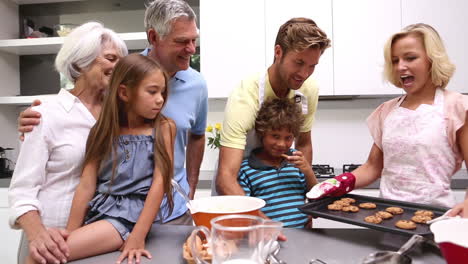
<point>28,119</point>
<point>194,158</point>
<point>229,164</point>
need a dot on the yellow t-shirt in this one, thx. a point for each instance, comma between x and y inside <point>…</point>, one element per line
<point>243,105</point>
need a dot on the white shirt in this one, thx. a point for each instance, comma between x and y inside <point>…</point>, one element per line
<point>50,161</point>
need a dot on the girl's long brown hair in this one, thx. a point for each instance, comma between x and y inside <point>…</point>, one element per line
<point>104,135</point>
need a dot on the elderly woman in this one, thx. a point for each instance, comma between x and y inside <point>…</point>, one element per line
<point>49,164</point>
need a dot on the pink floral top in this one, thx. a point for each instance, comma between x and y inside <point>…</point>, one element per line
<point>419,146</point>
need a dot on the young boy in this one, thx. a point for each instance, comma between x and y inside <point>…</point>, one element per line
<point>274,172</point>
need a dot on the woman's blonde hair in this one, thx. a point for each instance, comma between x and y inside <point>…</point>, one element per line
<point>441,67</point>
<point>104,135</point>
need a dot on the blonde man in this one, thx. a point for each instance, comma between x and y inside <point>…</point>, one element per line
<point>298,47</point>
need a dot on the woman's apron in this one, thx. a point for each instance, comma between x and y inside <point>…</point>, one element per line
<point>418,160</point>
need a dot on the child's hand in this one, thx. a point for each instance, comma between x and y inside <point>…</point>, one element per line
<point>133,248</point>
<point>297,158</point>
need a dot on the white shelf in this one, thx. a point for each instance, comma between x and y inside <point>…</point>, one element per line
<point>26,2</point>
<point>23,100</point>
<point>135,40</point>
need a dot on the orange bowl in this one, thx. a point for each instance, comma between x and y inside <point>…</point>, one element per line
<point>207,208</point>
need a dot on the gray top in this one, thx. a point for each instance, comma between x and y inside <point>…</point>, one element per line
<point>334,246</point>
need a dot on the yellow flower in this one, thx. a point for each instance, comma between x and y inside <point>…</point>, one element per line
<point>214,136</point>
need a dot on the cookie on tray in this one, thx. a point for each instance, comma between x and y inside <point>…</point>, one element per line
<point>425,213</point>
<point>342,203</point>
<point>350,208</point>
<point>335,207</point>
<point>349,200</point>
<point>421,219</point>
<point>373,219</point>
<point>367,205</point>
<point>384,215</point>
<point>394,210</point>
<point>405,224</point>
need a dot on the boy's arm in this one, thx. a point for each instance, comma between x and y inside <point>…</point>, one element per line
<point>309,176</point>
<point>135,244</point>
<point>83,194</point>
<point>297,158</point>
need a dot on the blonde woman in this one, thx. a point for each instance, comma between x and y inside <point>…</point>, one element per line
<point>420,138</point>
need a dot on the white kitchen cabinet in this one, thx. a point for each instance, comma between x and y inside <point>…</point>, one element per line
<point>277,13</point>
<point>360,29</point>
<point>448,17</point>
<point>10,238</point>
<point>232,43</point>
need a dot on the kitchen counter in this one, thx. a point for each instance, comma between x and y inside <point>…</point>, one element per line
<point>459,180</point>
<point>334,246</point>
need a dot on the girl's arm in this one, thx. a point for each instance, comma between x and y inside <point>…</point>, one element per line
<point>83,194</point>
<point>134,246</point>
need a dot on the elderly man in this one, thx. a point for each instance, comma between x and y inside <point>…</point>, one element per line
<point>298,47</point>
<point>172,31</point>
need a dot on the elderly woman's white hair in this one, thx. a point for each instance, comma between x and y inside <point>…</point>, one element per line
<point>83,45</point>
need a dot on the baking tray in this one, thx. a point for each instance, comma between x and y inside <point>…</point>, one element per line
<point>318,208</point>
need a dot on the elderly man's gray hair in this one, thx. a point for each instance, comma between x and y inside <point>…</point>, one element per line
<point>160,14</point>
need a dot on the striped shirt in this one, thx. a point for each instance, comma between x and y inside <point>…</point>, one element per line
<point>283,188</point>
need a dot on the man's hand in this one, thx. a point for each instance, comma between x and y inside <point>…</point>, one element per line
<point>49,246</point>
<point>28,119</point>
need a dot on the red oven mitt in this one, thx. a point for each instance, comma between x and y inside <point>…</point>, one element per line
<point>337,186</point>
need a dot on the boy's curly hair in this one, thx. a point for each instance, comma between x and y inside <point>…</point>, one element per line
<point>279,113</point>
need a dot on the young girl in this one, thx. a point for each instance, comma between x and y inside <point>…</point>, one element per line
<point>421,138</point>
<point>127,180</point>
<point>275,172</point>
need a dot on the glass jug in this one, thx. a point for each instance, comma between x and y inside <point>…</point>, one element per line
<point>239,239</point>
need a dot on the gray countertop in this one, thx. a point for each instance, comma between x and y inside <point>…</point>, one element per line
<point>334,246</point>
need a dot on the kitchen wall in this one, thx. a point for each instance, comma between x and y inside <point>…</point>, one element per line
<point>339,135</point>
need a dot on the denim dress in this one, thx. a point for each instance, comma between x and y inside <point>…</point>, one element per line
<point>123,197</point>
